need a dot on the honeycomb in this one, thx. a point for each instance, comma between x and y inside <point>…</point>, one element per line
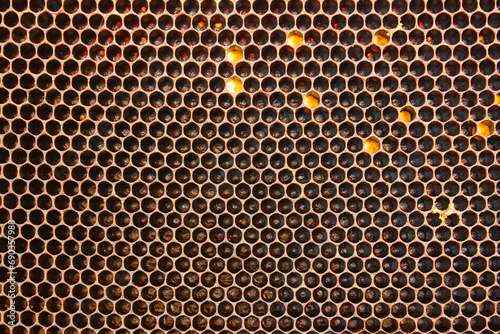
<point>249,166</point>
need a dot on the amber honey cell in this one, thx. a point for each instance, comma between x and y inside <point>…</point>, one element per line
<point>250,166</point>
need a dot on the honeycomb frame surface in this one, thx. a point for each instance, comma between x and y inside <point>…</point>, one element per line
<point>247,166</point>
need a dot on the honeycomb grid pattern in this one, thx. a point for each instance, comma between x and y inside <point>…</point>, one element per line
<point>251,166</point>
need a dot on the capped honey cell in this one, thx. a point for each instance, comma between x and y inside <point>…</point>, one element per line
<point>372,145</point>
<point>234,85</point>
<point>407,114</point>
<point>234,53</point>
<point>295,38</point>
<point>382,37</point>
<point>312,100</point>
<point>486,128</point>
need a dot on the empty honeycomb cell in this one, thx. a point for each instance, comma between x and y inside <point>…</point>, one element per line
<point>250,165</point>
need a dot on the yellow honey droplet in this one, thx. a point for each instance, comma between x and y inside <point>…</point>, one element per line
<point>382,37</point>
<point>234,85</point>
<point>485,128</point>
<point>497,98</point>
<point>295,38</point>
<point>407,114</point>
<point>234,53</point>
<point>312,100</point>
<point>372,144</point>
